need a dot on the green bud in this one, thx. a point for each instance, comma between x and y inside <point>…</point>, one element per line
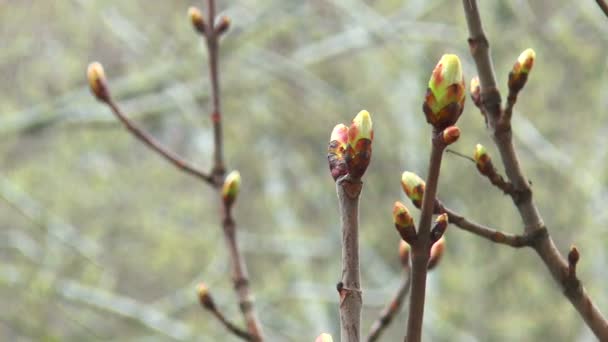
<point>413,186</point>
<point>444,100</point>
<point>231,187</point>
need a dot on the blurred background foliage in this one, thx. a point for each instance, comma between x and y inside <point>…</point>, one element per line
<point>103,240</point>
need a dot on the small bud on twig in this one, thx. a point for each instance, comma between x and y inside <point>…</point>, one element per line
<point>483,161</point>
<point>324,338</point>
<point>359,150</point>
<point>475,89</point>
<point>413,186</point>
<point>450,135</point>
<point>441,224</point>
<point>519,74</point>
<point>97,81</point>
<point>404,253</point>
<point>222,25</point>
<point>197,19</point>
<point>436,253</point>
<point>204,297</point>
<point>231,188</point>
<point>338,142</point>
<point>404,223</point>
<point>444,100</point>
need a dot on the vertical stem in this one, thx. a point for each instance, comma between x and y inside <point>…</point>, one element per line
<point>421,248</point>
<point>240,276</point>
<point>348,190</point>
<point>216,115</point>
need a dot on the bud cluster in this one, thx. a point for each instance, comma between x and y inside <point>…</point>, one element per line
<point>350,148</point>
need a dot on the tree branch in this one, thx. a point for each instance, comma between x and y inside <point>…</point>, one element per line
<point>392,308</point>
<point>348,189</point>
<point>516,241</point>
<point>421,247</point>
<point>522,196</point>
<point>603,6</point>
<point>156,146</point>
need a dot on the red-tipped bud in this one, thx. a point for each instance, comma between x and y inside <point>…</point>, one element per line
<point>324,338</point>
<point>441,224</point>
<point>404,253</point>
<point>573,256</point>
<point>519,74</point>
<point>230,190</point>
<point>97,81</point>
<point>360,137</point>
<point>444,100</point>
<point>437,251</point>
<point>404,223</point>
<point>413,186</point>
<point>483,160</point>
<point>222,25</point>
<point>204,297</point>
<point>197,19</point>
<point>475,89</point>
<point>450,135</point>
<point>338,142</point>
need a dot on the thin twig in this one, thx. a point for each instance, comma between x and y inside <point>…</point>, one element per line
<point>240,277</point>
<point>156,146</point>
<point>421,247</point>
<point>349,288</point>
<point>218,172</point>
<point>522,196</point>
<point>392,308</point>
<point>603,6</point>
<point>231,326</point>
<point>516,241</point>
<point>212,39</point>
<point>462,155</point>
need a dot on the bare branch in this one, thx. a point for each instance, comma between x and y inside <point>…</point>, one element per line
<point>391,309</point>
<point>349,288</point>
<point>603,6</point>
<point>522,196</point>
<point>156,146</point>
<point>422,246</point>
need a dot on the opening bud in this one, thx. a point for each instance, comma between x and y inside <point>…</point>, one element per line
<point>360,136</point>
<point>450,135</point>
<point>230,190</point>
<point>413,186</point>
<point>444,100</point>
<point>338,143</point>
<point>404,223</point>
<point>519,74</point>
<point>437,251</point>
<point>196,17</point>
<point>483,160</point>
<point>97,81</point>
<point>441,224</point>
<point>325,337</point>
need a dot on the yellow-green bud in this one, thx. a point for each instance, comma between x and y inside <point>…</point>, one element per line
<point>223,25</point>
<point>97,81</point>
<point>445,95</point>
<point>519,74</point>
<point>483,160</point>
<point>231,187</point>
<point>204,297</point>
<point>404,223</point>
<point>413,186</point>
<point>360,137</point>
<point>197,19</point>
